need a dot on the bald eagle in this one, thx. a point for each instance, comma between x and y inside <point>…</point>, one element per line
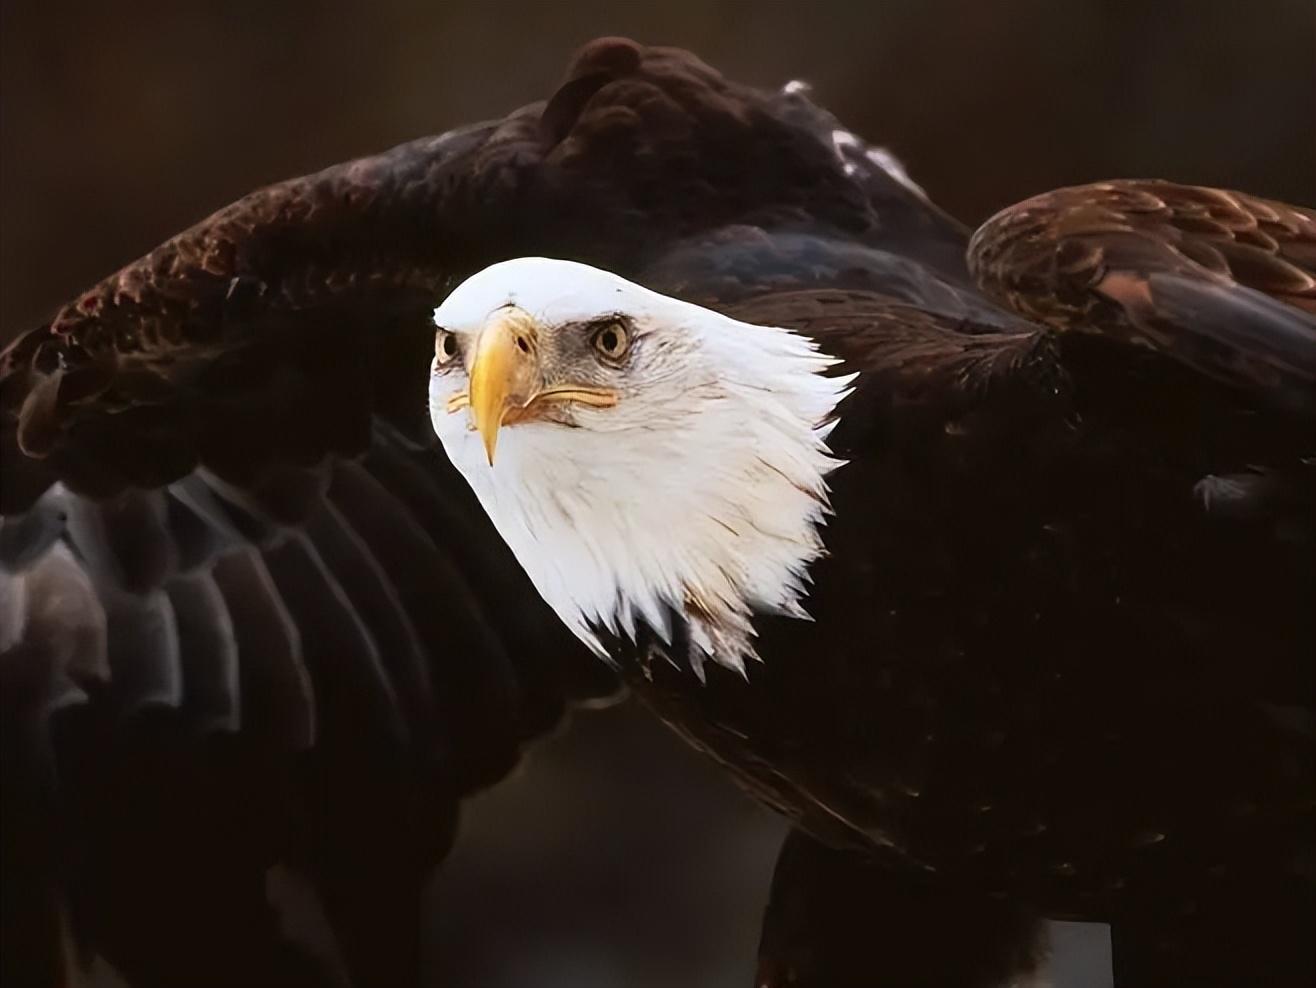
<point>987,563</point>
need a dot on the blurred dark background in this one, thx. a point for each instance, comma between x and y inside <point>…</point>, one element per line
<point>615,856</point>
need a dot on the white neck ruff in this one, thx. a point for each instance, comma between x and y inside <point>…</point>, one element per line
<point>703,495</point>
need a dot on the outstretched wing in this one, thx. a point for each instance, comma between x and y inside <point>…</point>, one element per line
<point>1221,281</point>
<point>250,614</point>
<point>249,618</point>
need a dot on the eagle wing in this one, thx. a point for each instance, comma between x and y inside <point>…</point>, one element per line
<point>1220,281</point>
<point>250,617</point>
<point>251,614</point>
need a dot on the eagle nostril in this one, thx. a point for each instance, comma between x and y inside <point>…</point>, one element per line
<point>521,342</point>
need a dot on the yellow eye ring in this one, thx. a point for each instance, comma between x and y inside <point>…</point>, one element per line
<point>612,340</point>
<point>445,348</point>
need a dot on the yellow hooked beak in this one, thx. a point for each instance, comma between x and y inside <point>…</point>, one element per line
<point>507,378</point>
<point>504,372</point>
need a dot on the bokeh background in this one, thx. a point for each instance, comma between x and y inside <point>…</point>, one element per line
<point>615,856</point>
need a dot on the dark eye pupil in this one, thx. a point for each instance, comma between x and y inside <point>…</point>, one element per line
<point>449,346</point>
<point>609,340</point>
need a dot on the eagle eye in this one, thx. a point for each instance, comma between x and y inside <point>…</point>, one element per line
<point>445,347</point>
<point>611,340</point>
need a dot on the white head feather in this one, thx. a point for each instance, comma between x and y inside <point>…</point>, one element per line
<point>701,491</point>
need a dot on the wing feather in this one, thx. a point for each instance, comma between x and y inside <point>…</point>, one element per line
<point>209,652</point>
<point>55,620</point>
<point>376,597</point>
<point>25,537</point>
<point>1220,281</point>
<point>340,650</point>
<point>472,677</point>
<point>276,693</point>
<point>146,668</point>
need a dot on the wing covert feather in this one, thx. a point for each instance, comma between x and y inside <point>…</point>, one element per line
<point>1220,281</point>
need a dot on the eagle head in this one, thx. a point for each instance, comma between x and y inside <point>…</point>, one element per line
<point>648,461</point>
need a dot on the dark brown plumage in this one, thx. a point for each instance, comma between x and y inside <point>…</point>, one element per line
<point>1211,275</point>
<point>1061,657</point>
